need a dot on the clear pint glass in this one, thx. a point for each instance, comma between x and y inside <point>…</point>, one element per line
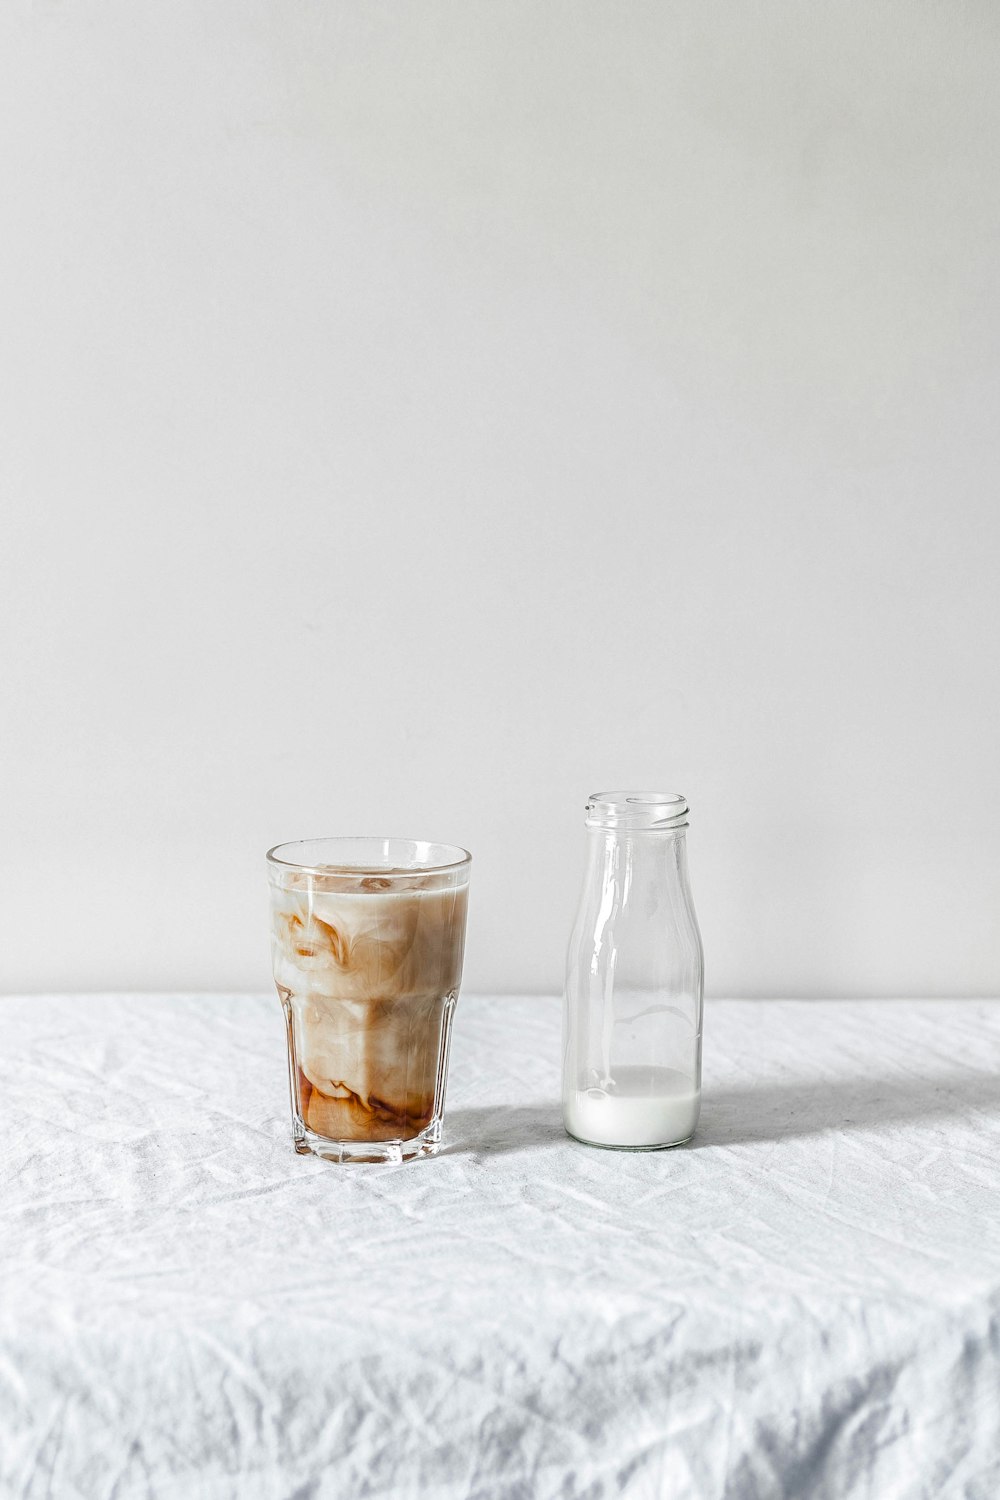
<point>367,942</point>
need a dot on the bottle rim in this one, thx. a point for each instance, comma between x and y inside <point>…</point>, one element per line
<point>637,811</point>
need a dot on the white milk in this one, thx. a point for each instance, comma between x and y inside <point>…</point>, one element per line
<point>640,1107</point>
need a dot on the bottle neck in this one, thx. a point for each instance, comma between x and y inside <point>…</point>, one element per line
<point>638,847</point>
<point>629,868</point>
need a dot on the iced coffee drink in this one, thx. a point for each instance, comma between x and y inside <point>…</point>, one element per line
<point>368,937</point>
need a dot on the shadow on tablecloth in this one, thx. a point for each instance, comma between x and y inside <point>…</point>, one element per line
<point>492,1131</point>
<point>768,1112</point>
<point>782,1111</point>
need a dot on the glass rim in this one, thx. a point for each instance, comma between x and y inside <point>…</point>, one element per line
<point>342,867</point>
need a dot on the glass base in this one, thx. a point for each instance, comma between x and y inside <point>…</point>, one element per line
<point>607,1146</point>
<point>427,1143</point>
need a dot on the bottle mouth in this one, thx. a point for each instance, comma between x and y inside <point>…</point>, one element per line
<point>637,810</point>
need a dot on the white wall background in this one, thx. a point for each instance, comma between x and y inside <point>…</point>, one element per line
<point>415,416</point>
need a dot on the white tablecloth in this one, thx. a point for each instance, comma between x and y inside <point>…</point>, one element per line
<point>804,1302</point>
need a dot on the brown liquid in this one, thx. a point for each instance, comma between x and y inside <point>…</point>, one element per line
<point>368,978</point>
<point>349,1118</point>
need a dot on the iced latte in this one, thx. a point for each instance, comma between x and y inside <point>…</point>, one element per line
<point>368,937</point>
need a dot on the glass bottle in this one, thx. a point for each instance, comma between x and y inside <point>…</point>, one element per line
<point>634,980</point>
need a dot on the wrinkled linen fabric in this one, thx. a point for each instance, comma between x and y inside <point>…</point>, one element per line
<point>804,1302</point>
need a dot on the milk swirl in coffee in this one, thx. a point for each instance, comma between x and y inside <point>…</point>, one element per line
<point>368,969</point>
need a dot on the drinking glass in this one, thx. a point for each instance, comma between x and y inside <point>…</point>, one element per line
<point>367,942</point>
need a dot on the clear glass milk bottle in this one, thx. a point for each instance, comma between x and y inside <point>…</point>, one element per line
<point>634,980</point>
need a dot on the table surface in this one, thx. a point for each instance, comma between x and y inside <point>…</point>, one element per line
<point>804,1301</point>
